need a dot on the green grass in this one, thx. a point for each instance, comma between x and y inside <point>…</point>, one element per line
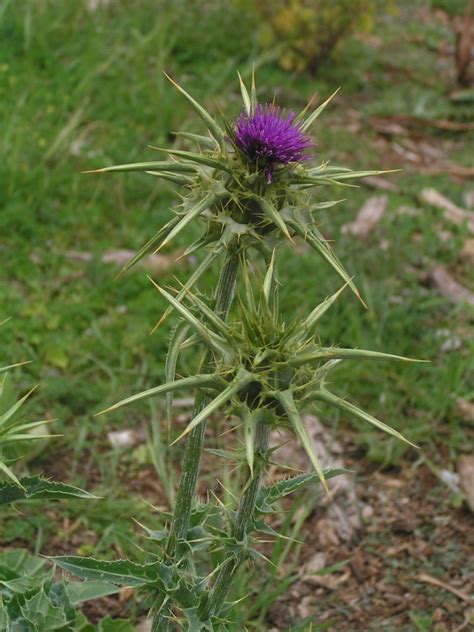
<point>80,90</point>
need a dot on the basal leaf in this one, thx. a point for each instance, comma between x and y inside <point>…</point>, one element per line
<point>119,572</point>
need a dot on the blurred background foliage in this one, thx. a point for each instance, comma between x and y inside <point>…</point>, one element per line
<point>307,32</point>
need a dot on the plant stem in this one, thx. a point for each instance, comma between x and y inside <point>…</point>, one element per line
<point>194,445</point>
<point>241,525</point>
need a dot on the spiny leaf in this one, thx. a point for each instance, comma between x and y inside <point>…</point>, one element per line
<point>36,487</point>
<point>325,396</point>
<point>314,115</point>
<point>243,378</point>
<point>198,158</point>
<point>200,207</point>
<point>314,208</point>
<point>250,307</point>
<point>245,95</point>
<point>272,214</point>
<point>14,438</point>
<point>253,92</point>
<point>211,124</point>
<point>314,238</point>
<point>250,424</point>
<point>179,335</point>
<point>8,472</point>
<point>171,177</point>
<point>4,369</point>
<point>349,175</point>
<point>325,167</point>
<point>308,182</point>
<point>193,279</point>
<point>14,408</point>
<point>154,165</point>
<point>322,308</point>
<point>278,490</point>
<point>269,279</point>
<point>286,400</point>
<point>206,141</point>
<point>206,334</point>
<point>78,592</point>
<point>303,112</point>
<point>224,454</point>
<point>217,323</point>
<point>16,427</point>
<point>119,572</point>
<point>150,244</point>
<point>195,381</point>
<point>327,353</point>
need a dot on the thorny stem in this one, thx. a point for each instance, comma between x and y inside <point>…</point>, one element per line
<point>194,445</point>
<point>241,525</point>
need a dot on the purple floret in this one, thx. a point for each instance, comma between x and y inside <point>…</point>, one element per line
<point>270,137</point>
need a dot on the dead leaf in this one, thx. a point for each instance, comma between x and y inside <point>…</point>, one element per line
<point>466,478</point>
<point>368,217</point>
<point>452,212</point>
<point>449,287</point>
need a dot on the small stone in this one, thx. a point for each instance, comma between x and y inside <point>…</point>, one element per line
<point>124,438</point>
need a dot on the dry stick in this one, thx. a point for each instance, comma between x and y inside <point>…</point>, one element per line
<point>194,445</point>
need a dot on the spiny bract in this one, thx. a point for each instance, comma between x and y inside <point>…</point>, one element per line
<point>268,369</point>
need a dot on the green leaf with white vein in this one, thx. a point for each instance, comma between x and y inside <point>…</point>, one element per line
<point>35,487</point>
<point>119,572</point>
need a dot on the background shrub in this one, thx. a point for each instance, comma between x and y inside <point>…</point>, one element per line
<point>306,32</point>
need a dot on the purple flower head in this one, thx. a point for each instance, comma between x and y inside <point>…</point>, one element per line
<point>270,137</point>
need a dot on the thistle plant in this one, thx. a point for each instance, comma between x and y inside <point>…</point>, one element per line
<point>248,184</point>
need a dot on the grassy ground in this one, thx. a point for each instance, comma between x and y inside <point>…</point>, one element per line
<point>81,89</point>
